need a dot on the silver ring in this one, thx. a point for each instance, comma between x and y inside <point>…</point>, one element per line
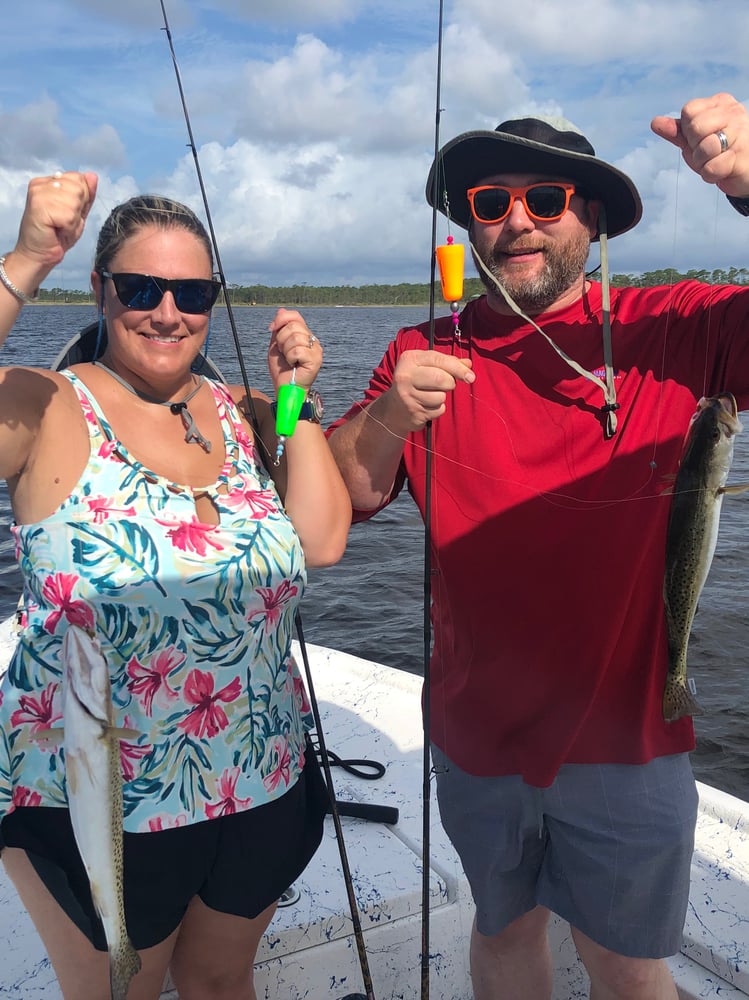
<point>723,140</point>
<point>312,340</point>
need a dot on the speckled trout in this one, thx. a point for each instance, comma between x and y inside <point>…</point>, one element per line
<point>94,779</point>
<point>693,533</point>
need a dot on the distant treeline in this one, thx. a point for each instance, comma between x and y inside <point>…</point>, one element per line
<point>399,295</point>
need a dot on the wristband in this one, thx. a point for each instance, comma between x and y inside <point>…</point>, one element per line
<point>740,204</point>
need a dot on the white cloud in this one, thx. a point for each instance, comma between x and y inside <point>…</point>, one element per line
<point>307,94</point>
<point>317,217</point>
<point>315,122</point>
<point>31,135</point>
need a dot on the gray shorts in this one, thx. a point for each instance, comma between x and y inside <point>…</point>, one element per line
<point>607,847</point>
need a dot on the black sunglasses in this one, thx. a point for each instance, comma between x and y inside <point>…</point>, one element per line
<point>145,291</point>
<point>542,202</point>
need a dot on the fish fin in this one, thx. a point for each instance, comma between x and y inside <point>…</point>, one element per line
<point>734,490</point>
<point>123,733</point>
<point>55,736</point>
<point>678,700</point>
<point>669,482</point>
<point>124,963</point>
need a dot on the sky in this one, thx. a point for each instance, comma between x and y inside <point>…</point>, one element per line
<point>315,121</point>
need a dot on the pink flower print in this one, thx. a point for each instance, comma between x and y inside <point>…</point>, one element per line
<point>23,796</point>
<point>228,803</point>
<point>221,407</point>
<point>158,823</point>
<point>192,536</point>
<point>273,601</point>
<point>88,411</point>
<point>39,713</point>
<point>131,753</point>
<point>58,590</point>
<point>246,495</point>
<point>207,718</point>
<point>244,440</point>
<point>107,449</point>
<point>300,693</point>
<point>294,685</point>
<point>282,770</point>
<point>102,507</point>
<point>148,682</point>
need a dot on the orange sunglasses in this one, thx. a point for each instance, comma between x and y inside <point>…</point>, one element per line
<point>543,202</point>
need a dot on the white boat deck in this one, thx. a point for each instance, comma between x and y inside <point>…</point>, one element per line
<point>373,712</point>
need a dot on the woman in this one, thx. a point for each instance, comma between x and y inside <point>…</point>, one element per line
<point>144,514</point>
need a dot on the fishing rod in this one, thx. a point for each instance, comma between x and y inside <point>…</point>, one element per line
<point>356,922</point>
<point>335,812</point>
<point>427,625</point>
<point>209,218</point>
<point>449,258</point>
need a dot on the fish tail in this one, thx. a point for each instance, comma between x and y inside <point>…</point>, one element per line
<point>124,963</point>
<point>678,700</point>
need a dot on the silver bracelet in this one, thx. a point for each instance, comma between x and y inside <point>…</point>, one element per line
<point>13,289</point>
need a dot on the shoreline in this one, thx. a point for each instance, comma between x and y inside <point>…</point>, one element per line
<point>269,305</point>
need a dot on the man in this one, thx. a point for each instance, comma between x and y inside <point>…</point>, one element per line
<point>558,424</point>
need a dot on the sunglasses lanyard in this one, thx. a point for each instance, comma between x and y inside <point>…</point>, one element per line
<point>610,405</point>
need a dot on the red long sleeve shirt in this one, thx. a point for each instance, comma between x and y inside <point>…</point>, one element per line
<point>548,539</point>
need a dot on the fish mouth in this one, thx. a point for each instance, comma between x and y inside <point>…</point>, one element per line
<point>727,410</point>
<point>726,400</point>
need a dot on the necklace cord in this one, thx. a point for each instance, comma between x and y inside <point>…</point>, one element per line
<point>178,408</point>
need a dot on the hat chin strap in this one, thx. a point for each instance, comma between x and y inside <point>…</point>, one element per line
<point>610,406</point>
<point>608,388</point>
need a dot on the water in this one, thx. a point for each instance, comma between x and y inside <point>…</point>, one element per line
<point>371,603</point>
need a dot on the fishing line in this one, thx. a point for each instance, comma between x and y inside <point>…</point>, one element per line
<point>550,495</point>
<point>219,267</point>
<point>709,327</point>
<point>361,949</point>
<point>668,315</point>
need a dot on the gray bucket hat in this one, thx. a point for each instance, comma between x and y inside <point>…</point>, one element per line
<point>551,147</point>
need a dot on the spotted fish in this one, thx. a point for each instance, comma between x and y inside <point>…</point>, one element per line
<point>94,780</point>
<point>693,533</point>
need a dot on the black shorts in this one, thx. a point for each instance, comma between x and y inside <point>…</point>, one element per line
<point>237,864</point>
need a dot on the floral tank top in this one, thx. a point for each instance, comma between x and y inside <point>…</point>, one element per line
<point>195,621</point>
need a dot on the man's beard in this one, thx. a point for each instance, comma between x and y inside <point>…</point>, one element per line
<point>564,266</point>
